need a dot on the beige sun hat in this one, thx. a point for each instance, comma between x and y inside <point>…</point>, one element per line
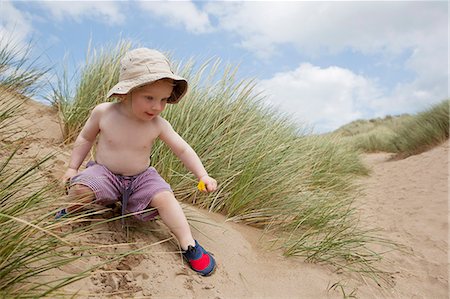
<point>143,66</point>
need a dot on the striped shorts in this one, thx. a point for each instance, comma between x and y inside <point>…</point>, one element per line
<point>109,188</point>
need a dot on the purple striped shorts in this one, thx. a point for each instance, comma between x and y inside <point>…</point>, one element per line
<point>109,187</point>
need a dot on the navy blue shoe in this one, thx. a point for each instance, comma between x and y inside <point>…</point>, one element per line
<point>61,213</point>
<point>200,260</point>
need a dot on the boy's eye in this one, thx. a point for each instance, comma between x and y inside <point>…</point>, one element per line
<point>149,98</point>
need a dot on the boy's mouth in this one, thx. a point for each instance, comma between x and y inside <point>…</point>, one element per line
<point>149,114</point>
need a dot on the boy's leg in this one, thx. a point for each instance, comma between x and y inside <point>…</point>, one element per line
<point>173,216</point>
<point>78,197</point>
<point>95,183</point>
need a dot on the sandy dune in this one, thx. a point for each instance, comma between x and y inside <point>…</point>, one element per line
<point>407,199</point>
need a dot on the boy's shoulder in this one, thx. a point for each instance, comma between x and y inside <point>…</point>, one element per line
<point>162,121</point>
<point>103,107</point>
<point>164,126</point>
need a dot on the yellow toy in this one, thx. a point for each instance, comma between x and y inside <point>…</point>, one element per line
<point>201,186</point>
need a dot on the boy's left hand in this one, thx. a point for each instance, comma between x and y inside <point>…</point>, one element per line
<point>210,184</point>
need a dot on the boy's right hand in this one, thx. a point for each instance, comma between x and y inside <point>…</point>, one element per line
<point>70,173</point>
<point>207,184</point>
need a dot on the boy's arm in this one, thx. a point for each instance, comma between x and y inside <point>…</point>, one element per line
<point>186,154</point>
<point>182,149</point>
<point>85,139</point>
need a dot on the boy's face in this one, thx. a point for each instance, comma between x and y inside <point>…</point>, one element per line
<point>150,100</point>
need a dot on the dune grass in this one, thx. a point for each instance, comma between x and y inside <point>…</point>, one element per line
<point>363,126</point>
<point>30,244</point>
<point>404,135</point>
<point>34,247</point>
<point>96,77</point>
<point>381,139</point>
<point>373,135</point>
<point>427,129</point>
<point>18,71</point>
<point>271,174</point>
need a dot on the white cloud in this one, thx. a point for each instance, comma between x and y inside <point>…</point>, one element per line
<point>179,13</point>
<point>331,26</point>
<point>389,31</point>
<point>15,26</point>
<point>108,12</point>
<point>324,97</point>
<point>328,98</point>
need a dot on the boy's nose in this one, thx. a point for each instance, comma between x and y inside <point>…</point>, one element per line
<point>157,107</point>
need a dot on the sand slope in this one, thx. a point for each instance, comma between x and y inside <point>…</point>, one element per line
<point>407,199</point>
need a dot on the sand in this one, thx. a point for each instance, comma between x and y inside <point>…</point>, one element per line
<point>408,199</point>
<point>405,199</point>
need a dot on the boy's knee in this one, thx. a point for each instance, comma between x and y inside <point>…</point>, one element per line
<point>162,199</point>
<point>81,191</point>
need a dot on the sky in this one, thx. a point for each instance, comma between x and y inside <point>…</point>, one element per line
<point>324,64</point>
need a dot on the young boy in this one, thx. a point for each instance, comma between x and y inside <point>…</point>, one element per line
<point>125,132</point>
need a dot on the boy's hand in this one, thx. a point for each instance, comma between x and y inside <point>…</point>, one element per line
<point>70,172</point>
<point>207,184</point>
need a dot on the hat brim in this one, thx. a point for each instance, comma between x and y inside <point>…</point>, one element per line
<point>126,86</point>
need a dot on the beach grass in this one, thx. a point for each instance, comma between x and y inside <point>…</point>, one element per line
<point>18,71</point>
<point>403,135</point>
<point>271,173</point>
<point>427,129</point>
<point>97,75</point>
<point>35,248</point>
<point>31,242</point>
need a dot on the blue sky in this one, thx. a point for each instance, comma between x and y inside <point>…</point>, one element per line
<point>324,63</point>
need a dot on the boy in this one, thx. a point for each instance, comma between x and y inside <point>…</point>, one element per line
<point>126,131</point>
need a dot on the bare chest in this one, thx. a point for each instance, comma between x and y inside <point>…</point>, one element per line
<point>120,134</point>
